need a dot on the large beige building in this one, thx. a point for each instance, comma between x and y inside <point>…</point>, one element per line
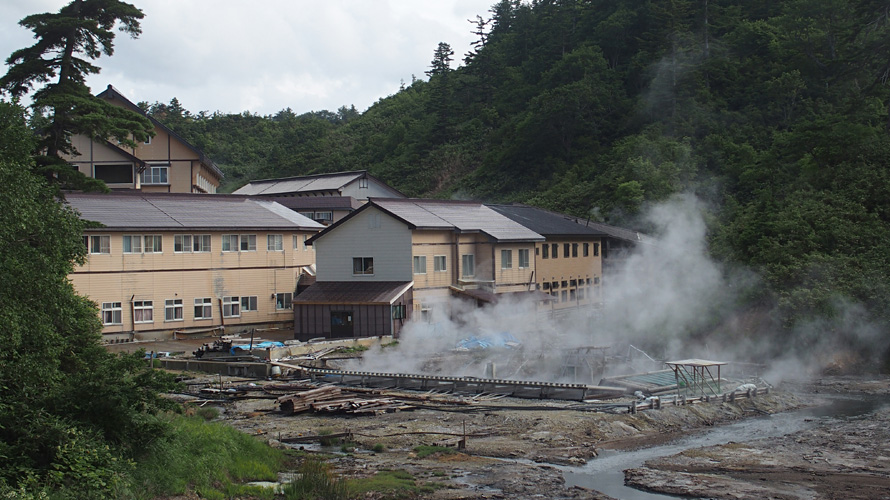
<point>166,163</point>
<point>162,263</point>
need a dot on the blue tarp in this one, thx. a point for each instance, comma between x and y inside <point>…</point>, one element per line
<point>502,339</point>
<point>261,345</point>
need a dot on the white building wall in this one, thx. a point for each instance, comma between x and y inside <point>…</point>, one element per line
<point>370,233</point>
<point>374,190</point>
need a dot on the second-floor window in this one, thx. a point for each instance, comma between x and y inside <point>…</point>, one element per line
<point>143,311</point>
<point>523,258</point>
<point>111,313</point>
<point>203,308</point>
<point>362,265</point>
<point>468,265</point>
<point>439,263</point>
<point>506,259</point>
<point>274,243</point>
<point>173,310</point>
<point>420,264</point>
<point>100,244</point>
<point>231,307</point>
<point>155,175</point>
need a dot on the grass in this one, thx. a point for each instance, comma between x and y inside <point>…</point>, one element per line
<point>316,481</point>
<point>425,451</point>
<point>206,458</point>
<point>392,483</point>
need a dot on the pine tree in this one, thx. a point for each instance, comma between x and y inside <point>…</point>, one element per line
<point>60,59</point>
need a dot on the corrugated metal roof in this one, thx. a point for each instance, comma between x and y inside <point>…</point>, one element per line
<point>318,202</point>
<point>461,215</point>
<point>545,222</point>
<point>308,183</point>
<point>353,292</point>
<point>141,211</point>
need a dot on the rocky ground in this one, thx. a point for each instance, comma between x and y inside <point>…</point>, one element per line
<point>517,448</point>
<point>833,459</point>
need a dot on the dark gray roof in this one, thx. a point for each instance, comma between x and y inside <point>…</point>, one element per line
<point>552,224</point>
<point>464,216</point>
<point>178,211</point>
<point>318,202</point>
<point>350,292</point>
<point>308,184</point>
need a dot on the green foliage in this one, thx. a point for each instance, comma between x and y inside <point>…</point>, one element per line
<point>203,457</point>
<point>72,415</point>
<point>316,481</point>
<point>425,451</point>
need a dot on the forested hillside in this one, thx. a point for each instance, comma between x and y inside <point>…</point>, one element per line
<point>775,113</point>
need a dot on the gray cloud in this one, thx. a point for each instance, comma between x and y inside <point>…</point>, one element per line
<point>273,54</point>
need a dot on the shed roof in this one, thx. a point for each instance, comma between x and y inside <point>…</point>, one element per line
<point>354,293</point>
<point>548,223</point>
<point>176,211</point>
<point>309,184</point>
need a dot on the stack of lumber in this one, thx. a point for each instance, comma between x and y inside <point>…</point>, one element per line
<point>332,399</point>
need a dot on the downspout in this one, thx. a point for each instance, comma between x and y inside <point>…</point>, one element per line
<point>222,320</point>
<point>455,268</point>
<point>494,272</point>
<point>133,313</point>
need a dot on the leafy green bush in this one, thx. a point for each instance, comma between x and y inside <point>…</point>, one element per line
<point>316,481</point>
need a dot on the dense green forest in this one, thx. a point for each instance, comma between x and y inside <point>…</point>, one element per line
<point>774,113</point>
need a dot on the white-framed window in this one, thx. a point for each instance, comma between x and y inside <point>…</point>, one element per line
<point>506,259</point>
<point>324,216</point>
<point>173,310</point>
<point>230,243</point>
<point>154,243</point>
<point>309,215</point>
<point>305,245</point>
<point>439,263</point>
<point>363,265</point>
<point>586,252</point>
<point>147,140</point>
<point>468,265</point>
<point>100,244</point>
<point>248,243</point>
<point>182,243</point>
<point>200,243</point>
<point>363,183</point>
<point>204,308</point>
<point>231,307</point>
<point>283,301</point>
<point>523,258</point>
<point>249,303</point>
<point>143,311</point>
<point>155,174</point>
<point>420,264</point>
<point>274,242</point>
<point>111,313</point>
<point>131,243</point>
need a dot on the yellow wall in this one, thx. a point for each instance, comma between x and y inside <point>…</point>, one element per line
<point>120,277</point>
<point>565,270</point>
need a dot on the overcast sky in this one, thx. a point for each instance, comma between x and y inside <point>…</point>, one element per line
<point>267,55</point>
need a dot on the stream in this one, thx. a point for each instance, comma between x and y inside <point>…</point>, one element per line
<point>606,472</point>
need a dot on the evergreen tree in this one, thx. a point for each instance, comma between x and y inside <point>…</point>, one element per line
<point>66,42</point>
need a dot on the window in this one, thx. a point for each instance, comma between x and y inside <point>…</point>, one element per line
<point>564,296</point>
<point>173,310</point>
<point>231,307</point>
<point>373,221</point>
<point>363,183</point>
<point>523,258</point>
<point>100,244</point>
<point>596,249</point>
<point>399,311</point>
<point>204,308</point>
<point>305,245</point>
<point>248,243</point>
<point>572,295</point>
<point>565,250</point>
<point>201,243</point>
<point>155,175</point>
<point>147,140</point>
<point>309,215</point>
<point>596,280</point>
<point>230,243</point>
<point>420,264</point>
<point>506,259</point>
<point>546,285</point>
<point>468,265</point>
<point>114,174</point>
<point>554,248</point>
<point>580,294</point>
<point>587,249</point>
<point>324,216</point>
<point>564,284</point>
<point>439,263</point>
<point>153,244</point>
<point>132,244</point>
<point>274,243</point>
<point>249,303</point>
<point>143,311</point>
<point>363,265</point>
<point>283,301</point>
<point>182,243</point>
<point>545,254</point>
<point>573,283</point>
<point>574,249</point>
<point>111,313</point>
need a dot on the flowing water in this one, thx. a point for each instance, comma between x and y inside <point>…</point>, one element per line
<point>606,472</point>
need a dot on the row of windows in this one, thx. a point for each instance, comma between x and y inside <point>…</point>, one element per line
<point>232,307</point>
<point>568,250</point>
<point>123,173</point>
<point>571,295</point>
<point>189,243</point>
<point>553,285</point>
